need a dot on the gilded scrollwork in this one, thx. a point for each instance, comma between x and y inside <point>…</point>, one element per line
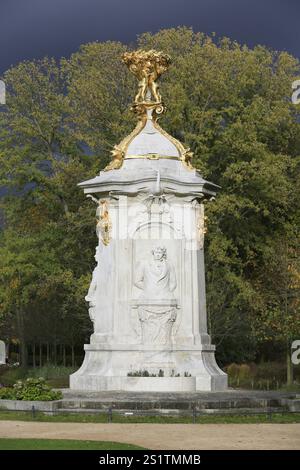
<point>118,151</point>
<point>104,224</point>
<point>186,154</point>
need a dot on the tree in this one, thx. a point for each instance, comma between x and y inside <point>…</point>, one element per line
<point>278,317</point>
<point>46,216</point>
<point>230,104</point>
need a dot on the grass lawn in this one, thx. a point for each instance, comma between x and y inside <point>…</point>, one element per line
<point>60,444</point>
<point>118,418</point>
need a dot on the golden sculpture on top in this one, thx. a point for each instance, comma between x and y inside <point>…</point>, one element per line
<point>147,66</point>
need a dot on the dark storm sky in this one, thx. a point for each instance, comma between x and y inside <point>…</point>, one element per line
<point>34,28</point>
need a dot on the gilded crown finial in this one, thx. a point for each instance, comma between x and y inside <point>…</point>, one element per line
<point>147,66</point>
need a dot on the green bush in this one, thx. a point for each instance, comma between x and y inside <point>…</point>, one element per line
<point>30,389</point>
<point>244,372</point>
<point>145,373</point>
<point>232,370</point>
<point>262,376</point>
<point>35,389</point>
<point>7,393</point>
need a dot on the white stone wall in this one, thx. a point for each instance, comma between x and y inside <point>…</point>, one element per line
<point>138,225</point>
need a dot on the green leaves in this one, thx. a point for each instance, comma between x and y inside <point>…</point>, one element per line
<point>30,389</point>
<point>230,104</point>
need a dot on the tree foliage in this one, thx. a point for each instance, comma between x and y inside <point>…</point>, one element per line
<point>231,105</point>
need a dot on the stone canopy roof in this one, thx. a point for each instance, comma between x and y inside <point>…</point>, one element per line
<point>149,157</point>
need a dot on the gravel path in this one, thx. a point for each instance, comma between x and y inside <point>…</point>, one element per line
<point>165,436</point>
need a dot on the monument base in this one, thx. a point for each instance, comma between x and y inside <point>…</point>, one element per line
<point>142,369</point>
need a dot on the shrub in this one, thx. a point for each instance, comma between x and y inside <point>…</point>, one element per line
<point>6,393</point>
<point>138,373</point>
<point>145,373</point>
<point>30,389</point>
<point>35,389</point>
<point>244,372</point>
<point>232,370</point>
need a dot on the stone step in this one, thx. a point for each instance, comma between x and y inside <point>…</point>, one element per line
<point>173,412</point>
<point>174,405</point>
<point>292,405</point>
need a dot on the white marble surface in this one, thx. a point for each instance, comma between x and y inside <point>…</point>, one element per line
<point>149,140</point>
<point>121,343</point>
<point>149,312</point>
<point>140,176</point>
<point>107,369</point>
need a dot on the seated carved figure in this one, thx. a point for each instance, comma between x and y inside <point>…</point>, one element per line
<point>156,278</point>
<point>156,305</point>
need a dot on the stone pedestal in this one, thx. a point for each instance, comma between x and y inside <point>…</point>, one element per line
<point>150,319</point>
<point>184,369</point>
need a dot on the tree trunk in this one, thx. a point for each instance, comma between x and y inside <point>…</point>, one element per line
<point>21,336</point>
<point>23,353</point>
<point>33,356</point>
<point>55,352</point>
<point>41,355</point>
<point>64,355</point>
<point>73,356</point>
<point>48,353</point>
<point>289,366</point>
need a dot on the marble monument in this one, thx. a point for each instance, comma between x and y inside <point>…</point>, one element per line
<point>147,293</point>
